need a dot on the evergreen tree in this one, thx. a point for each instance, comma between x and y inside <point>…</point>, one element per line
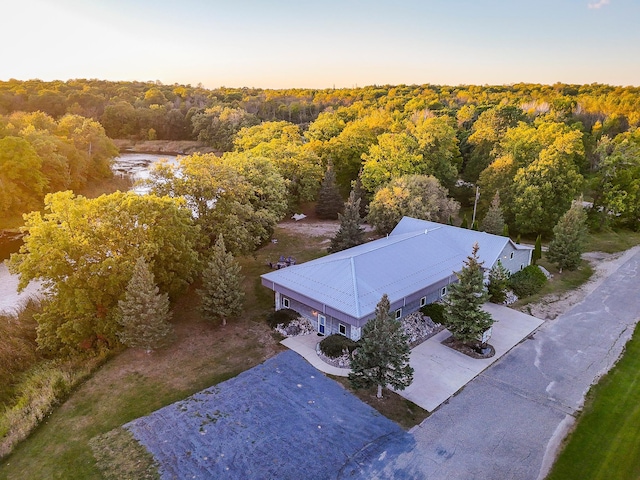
<point>221,295</point>
<point>350,232</point>
<point>566,248</point>
<point>498,283</point>
<point>518,239</point>
<point>465,222</point>
<point>382,357</point>
<point>537,250</point>
<point>330,202</point>
<point>475,226</point>
<point>463,314</point>
<point>505,230</point>
<point>356,187</point>
<point>493,221</point>
<point>143,314</point>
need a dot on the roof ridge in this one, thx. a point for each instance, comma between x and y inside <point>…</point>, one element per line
<point>355,286</point>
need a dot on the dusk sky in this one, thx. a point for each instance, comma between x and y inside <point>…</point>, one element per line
<point>341,43</point>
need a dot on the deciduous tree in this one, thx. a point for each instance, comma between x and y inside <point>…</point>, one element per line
<point>382,357</point>
<point>418,196</point>
<point>84,252</point>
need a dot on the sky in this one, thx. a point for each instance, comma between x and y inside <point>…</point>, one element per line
<point>323,44</point>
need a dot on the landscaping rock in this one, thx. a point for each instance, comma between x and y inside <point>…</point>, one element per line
<point>419,327</point>
<point>299,326</point>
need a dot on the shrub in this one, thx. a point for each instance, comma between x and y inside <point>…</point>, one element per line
<point>283,316</point>
<point>435,311</point>
<point>527,281</point>
<point>334,345</point>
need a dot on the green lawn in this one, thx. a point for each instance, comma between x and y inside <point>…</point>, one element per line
<point>612,242</point>
<point>606,441</point>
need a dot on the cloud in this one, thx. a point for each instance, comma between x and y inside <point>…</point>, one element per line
<point>598,4</point>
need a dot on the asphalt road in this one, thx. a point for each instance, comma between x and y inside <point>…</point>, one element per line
<point>505,423</point>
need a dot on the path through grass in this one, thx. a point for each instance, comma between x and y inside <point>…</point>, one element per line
<point>606,441</point>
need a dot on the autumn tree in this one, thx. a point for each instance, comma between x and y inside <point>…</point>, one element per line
<point>84,250</point>
<point>143,314</point>
<point>20,177</point>
<point>221,296</point>
<point>234,193</point>
<point>463,313</point>
<point>350,232</point>
<point>330,203</point>
<point>417,196</point>
<point>567,245</point>
<point>382,357</point>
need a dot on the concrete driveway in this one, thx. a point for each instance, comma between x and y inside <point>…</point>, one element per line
<point>508,422</point>
<point>440,371</point>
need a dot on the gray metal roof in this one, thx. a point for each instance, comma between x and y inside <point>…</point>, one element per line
<point>414,256</point>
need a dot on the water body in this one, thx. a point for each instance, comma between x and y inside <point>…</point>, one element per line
<point>136,165</point>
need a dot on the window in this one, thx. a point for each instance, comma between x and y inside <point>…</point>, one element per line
<point>443,292</point>
<point>342,329</point>
<point>285,302</point>
<point>423,301</point>
<point>521,266</point>
<point>398,313</point>
<point>511,255</point>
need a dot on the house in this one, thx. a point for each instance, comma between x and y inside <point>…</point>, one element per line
<point>413,265</point>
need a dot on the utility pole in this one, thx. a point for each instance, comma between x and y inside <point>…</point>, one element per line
<point>475,204</point>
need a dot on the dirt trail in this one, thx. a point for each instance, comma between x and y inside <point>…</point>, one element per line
<point>604,264</point>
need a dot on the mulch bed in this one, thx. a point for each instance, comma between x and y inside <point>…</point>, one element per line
<point>468,350</point>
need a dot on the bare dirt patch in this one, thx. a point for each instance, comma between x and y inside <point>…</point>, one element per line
<point>322,230</point>
<point>604,264</point>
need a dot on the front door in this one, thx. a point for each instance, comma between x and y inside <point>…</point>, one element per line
<point>321,323</point>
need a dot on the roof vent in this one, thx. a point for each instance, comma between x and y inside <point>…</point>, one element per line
<point>426,230</point>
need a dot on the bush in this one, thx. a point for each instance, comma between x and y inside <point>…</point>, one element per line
<point>435,311</point>
<point>283,316</point>
<point>527,281</point>
<point>334,345</point>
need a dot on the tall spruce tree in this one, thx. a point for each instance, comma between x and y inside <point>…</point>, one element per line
<point>143,315</point>
<point>330,201</point>
<point>382,357</point>
<point>566,248</point>
<point>493,221</point>
<point>221,295</point>
<point>350,232</point>
<point>465,222</point>
<point>498,283</point>
<point>463,314</point>
<point>537,250</point>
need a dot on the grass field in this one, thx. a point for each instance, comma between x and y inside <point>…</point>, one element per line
<point>606,441</point>
<point>612,242</point>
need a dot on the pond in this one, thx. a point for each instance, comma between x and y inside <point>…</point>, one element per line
<point>137,165</point>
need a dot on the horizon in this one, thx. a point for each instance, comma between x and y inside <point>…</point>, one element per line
<point>288,44</point>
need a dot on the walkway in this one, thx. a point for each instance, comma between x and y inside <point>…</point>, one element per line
<point>439,370</point>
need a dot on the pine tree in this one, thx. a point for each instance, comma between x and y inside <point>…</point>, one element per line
<point>463,314</point>
<point>566,248</point>
<point>350,232</point>
<point>493,221</point>
<point>356,186</point>
<point>505,230</point>
<point>537,250</point>
<point>221,295</point>
<point>330,202</point>
<point>465,222</point>
<point>518,239</point>
<point>498,283</point>
<point>382,357</point>
<point>143,314</point>
<point>475,226</point>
